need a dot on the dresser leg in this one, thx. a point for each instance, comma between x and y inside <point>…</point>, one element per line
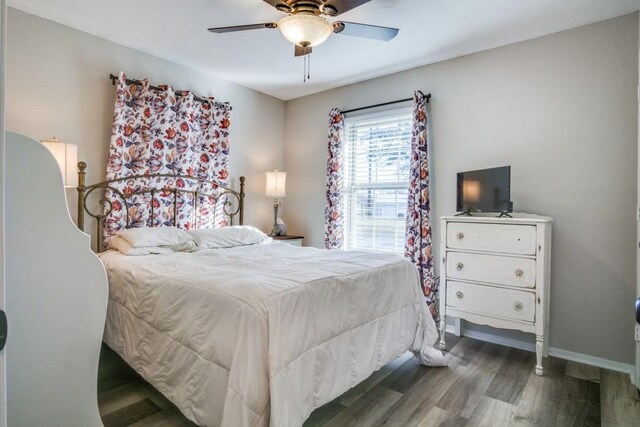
<point>443,328</point>
<point>539,351</point>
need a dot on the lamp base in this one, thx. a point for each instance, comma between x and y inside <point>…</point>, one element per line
<point>280,229</point>
<point>276,230</point>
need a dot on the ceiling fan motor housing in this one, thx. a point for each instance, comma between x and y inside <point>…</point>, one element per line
<point>316,7</point>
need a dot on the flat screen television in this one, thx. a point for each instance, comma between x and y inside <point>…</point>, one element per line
<point>485,190</point>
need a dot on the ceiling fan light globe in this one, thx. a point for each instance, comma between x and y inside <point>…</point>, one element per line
<point>305,30</point>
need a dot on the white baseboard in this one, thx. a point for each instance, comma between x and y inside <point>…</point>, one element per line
<point>553,351</point>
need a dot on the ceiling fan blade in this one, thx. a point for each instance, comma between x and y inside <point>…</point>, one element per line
<point>364,30</point>
<point>221,30</point>
<point>342,6</point>
<point>302,51</point>
<point>281,5</point>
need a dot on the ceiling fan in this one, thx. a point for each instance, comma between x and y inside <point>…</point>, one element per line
<point>306,27</point>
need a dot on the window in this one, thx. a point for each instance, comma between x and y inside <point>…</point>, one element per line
<point>377,151</point>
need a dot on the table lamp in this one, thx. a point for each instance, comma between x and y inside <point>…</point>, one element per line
<point>276,189</point>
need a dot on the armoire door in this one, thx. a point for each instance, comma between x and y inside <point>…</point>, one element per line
<point>56,297</point>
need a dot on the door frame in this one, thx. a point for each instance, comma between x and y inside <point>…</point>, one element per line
<point>636,376</point>
<point>3,38</point>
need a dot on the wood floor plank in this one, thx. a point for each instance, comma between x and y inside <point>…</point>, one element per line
<point>321,416</point>
<point>451,341</point>
<point>130,414</point>
<point>405,376</point>
<point>437,417</point>
<point>414,406</point>
<point>354,394</point>
<point>539,402</point>
<point>491,412</point>
<point>583,372</point>
<point>512,376</point>
<point>165,419</point>
<point>122,396</point>
<point>579,403</point>
<point>620,404</point>
<point>465,393</point>
<point>462,354</point>
<point>113,371</point>
<point>368,409</point>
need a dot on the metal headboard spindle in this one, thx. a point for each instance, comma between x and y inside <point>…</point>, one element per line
<point>106,206</point>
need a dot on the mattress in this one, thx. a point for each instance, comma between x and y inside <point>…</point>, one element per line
<point>262,335</point>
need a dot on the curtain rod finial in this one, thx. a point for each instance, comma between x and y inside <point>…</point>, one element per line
<point>427,97</point>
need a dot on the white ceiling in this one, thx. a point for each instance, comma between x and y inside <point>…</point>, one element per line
<point>430,31</point>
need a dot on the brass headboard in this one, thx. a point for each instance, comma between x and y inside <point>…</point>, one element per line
<point>231,208</point>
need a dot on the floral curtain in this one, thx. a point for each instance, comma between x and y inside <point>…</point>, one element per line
<point>334,210</point>
<point>418,231</point>
<point>166,132</point>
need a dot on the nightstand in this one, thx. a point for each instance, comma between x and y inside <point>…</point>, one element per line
<point>290,240</point>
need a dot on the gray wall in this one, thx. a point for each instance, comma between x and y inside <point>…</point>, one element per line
<point>57,85</point>
<point>562,111</point>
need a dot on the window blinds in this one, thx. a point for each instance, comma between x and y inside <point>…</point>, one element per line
<point>377,151</point>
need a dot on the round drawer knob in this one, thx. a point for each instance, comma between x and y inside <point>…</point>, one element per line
<point>460,265</point>
<point>459,294</point>
<point>517,305</point>
<point>460,235</point>
<point>519,272</point>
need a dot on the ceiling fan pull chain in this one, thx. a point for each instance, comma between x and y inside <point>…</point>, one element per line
<point>306,74</point>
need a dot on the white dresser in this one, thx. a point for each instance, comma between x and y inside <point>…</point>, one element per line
<point>496,271</point>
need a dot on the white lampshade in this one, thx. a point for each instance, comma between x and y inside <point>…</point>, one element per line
<point>276,184</point>
<point>66,155</point>
<point>305,29</point>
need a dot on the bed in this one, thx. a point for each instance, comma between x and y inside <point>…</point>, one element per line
<point>263,334</point>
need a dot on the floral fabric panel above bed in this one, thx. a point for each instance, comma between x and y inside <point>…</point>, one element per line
<point>166,132</point>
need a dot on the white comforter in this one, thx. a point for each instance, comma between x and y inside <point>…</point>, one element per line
<point>263,334</point>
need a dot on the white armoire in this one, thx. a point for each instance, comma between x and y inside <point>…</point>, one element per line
<point>56,297</point>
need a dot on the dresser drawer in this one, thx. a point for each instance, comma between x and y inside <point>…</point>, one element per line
<point>501,270</point>
<point>496,302</point>
<point>510,239</point>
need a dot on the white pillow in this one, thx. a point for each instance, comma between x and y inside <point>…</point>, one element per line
<point>154,236</point>
<point>227,237</point>
<point>125,248</point>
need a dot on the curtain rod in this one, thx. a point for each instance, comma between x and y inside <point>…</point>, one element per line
<point>427,97</point>
<point>114,78</point>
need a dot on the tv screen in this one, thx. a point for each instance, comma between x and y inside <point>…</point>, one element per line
<point>485,190</point>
